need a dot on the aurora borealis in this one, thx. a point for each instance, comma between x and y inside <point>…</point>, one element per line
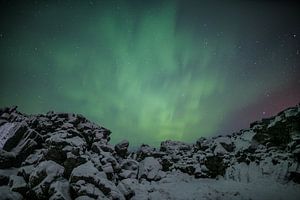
<point>152,70</point>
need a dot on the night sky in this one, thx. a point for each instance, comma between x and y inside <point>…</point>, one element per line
<point>152,70</point>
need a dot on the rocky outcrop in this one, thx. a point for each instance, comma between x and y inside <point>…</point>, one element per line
<point>65,156</point>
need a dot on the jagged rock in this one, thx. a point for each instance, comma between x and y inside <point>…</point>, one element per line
<point>17,184</point>
<point>121,148</point>
<point>18,138</point>
<point>202,143</point>
<point>149,168</point>
<point>87,172</point>
<point>129,169</point>
<point>226,143</point>
<point>34,158</point>
<point>4,177</point>
<point>219,150</point>
<point>61,139</point>
<point>129,164</point>
<point>186,168</point>
<point>8,130</point>
<point>166,163</point>
<point>43,176</point>
<point>107,157</point>
<point>5,116</point>
<point>73,161</point>
<point>65,156</point>
<point>127,174</point>
<point>174,146</point>
<point>86,190</point>
<point>25,171</point>
<point>294,172</point>
<point>94,185</point>
<point>7,194</point>
<point>147,151</point>
<point>59,190</point>
<point>98,147</point>
<point>11,134</point>
<point>125,186</point>
<point>144,151</point>
<point>107,168</point>
<point>86,176</point>
<point>200,171</point>
<point>2,121</point>
<point>7,159</point>
<point>215,165</point>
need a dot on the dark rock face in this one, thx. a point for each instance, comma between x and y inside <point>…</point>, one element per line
<point>65,156</point>
<point>121,148</point>
<point>215,165</point>
<point>7,159</point>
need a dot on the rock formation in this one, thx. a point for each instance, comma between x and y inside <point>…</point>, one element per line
<point>65,156</point>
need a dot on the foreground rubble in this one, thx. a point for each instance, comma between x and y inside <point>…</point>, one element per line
<point>65,156</point>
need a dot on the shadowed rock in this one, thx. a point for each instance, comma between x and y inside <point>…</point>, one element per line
<point>65,156</point>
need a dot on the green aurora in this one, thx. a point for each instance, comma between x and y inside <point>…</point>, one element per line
<point>146,71</point>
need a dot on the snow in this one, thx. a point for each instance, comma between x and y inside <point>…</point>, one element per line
<point>244,141</point>
<point>184,187</point>
<point>149,168</point>
<point>4,130</point>
<point>244,165</point>
<point>7,194</point>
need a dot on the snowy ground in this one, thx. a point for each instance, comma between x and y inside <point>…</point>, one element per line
<point>184,187</point>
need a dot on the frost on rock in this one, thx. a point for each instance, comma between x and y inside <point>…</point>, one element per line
<point>6,131</point>
<point>65,156</point>
<point>150,169</point>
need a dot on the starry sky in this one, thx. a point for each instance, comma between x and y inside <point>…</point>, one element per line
<point>152,70</point>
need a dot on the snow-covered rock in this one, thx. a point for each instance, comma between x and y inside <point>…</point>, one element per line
<point>65,156</point>
<point>43,176</point>
<point>60,189</point>
<point>121,148</point>
<point>150,169</point>
<point>18,184</point>
<point>7,194</point>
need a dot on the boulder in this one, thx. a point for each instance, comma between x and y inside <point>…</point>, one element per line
<point>4,177</point>
<point>121,148</point>
<point>149,169</point>
<point>19,139</point>
<point>18,184</point>
<point>226,142</point>
<point>86,176</point>
<point>11,134</point>
<point>43,176</point>
<point>60,190</point>
<point>126,187</point>
<point>129,164</point>
<point>34,158</point>
<point>7,194</point>
<point>25,171</point>
<point>202,144</point>
<point>215,165</point>
<point>147,151</point>
<point>87,172</point>
<point>84,190</point>
<point>174,146</point>
<point>7,159</point>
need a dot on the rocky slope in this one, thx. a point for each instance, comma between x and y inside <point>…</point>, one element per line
<point>65,156</point>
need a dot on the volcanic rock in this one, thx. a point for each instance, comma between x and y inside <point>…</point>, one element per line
<point>65,156</point>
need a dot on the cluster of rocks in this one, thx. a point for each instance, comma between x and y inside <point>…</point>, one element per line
<point>66,156</point>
